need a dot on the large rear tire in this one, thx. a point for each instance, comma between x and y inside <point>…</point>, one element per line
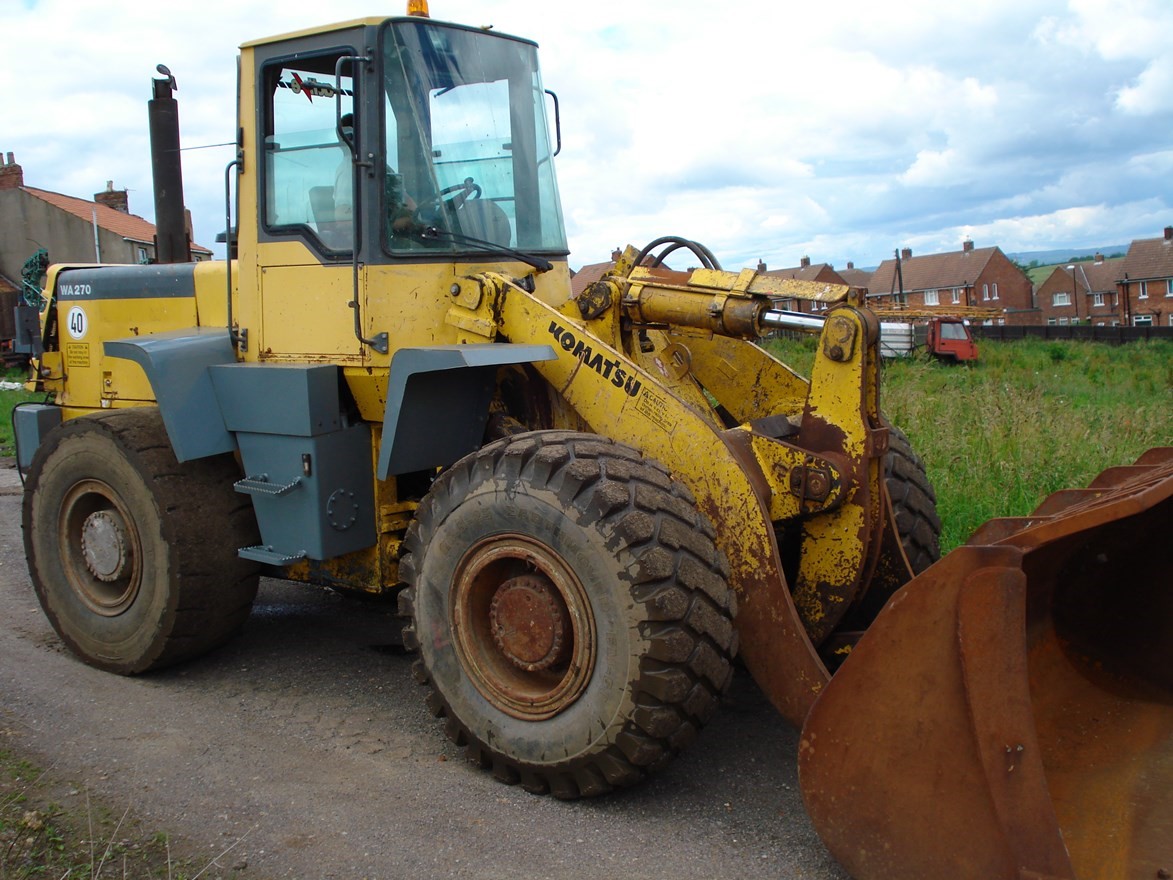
<point>572,614</point>
<point>132,554</point>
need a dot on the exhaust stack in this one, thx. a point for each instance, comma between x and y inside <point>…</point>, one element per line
<point>171,240</point>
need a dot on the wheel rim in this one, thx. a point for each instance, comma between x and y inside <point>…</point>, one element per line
<point>522,626</point>
<point>100,548</point>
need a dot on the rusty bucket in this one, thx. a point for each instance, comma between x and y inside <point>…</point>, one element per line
<point>1010,712</point>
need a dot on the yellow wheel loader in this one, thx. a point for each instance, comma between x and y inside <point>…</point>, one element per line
<point>587,505</point>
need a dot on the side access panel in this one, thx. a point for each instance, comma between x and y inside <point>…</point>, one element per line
<point>309,473</point>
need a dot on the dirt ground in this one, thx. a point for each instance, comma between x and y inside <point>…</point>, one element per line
<point>305,742</point>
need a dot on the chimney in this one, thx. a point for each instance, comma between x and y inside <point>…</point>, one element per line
<point>615,255</point>
<point>113,198</point>
<point>11,174</point>
<point>805,262</point>
<point>906,253</point>
<point>967,245</point>
<point>761,266</point>
<point>1099,258</point>
<point>1168,229</point>
<point>850,265</point>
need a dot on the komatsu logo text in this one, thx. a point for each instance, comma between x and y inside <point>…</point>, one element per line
<point>605,367</point>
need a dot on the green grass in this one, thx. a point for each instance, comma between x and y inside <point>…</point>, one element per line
<point>52,829</point>
<point>1029,418</point>
<point>9,399</point>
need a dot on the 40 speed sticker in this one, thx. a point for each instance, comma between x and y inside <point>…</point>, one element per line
<point>76,322</point>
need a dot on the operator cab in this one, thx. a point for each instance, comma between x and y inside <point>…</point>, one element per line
<point>406,139</point>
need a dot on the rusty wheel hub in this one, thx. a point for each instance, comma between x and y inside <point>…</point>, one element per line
<point>530,624</point>
<point>522,626</point>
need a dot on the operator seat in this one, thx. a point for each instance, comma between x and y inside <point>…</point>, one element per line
<point>334,232</point>
<point>484,219</point>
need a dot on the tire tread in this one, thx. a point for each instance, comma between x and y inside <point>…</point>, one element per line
<point>678,584</point>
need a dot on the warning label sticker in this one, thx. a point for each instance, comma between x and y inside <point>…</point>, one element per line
<point>77,354</point>
<point>655,409</point>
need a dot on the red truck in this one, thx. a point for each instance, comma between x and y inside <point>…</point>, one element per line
<point>948,339</point>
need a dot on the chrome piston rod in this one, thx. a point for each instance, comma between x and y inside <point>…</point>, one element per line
<point>800,321</point>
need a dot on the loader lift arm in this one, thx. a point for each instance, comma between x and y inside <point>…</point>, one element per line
<point>822,480</point>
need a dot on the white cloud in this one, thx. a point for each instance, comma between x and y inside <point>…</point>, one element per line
<point>933,168</point>
<point>835,130</point>
<point>1153,91</point>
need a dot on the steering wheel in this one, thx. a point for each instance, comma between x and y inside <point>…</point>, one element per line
<point>449,199</point>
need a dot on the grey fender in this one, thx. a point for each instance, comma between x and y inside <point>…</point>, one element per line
<point>438,402</point>
<point>177,366</point>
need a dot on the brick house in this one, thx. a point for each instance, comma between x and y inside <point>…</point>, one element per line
<point>1146,283</point>
<point>822,273</point>
<point>983,278</point>
<point>1084,293</point>
<point>72,230</point>
<point>860,278</point>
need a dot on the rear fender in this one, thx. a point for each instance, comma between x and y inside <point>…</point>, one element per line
<point>177,366</point>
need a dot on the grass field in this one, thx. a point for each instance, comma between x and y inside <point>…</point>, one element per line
<point>1029,418</point>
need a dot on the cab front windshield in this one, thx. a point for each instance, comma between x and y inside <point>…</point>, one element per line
<point>466,143</point>
<point>952,330</point>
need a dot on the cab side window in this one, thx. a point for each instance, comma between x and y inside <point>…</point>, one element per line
<point>309,175</point>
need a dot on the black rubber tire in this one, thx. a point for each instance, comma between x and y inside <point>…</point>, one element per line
<point>913,501</point>
<point>653,586</point>
<point>165,583</point>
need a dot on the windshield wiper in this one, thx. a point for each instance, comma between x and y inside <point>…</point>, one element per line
<point>435,233</point>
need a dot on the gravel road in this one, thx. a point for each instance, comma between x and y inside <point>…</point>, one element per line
<point>307,737</point>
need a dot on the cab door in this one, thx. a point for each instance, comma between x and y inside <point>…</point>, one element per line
<point>306,238</point>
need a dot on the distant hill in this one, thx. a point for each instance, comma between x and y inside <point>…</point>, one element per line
<point>1051,258</point>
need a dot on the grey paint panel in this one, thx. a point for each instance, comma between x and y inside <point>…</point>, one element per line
<point>176,364</point>
<point>313,496</point>
<point>127,282</point>
<point>438,402</point>
<point>298,399</point>
<point>31,422</point>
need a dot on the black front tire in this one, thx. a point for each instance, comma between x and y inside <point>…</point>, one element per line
<point>132,554</point>
<point>571,611</point>
<point>913,501</point>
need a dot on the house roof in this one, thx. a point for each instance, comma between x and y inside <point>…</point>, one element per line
<point>803,273</point>
<point>129,226</point>
<point>933,271</point>
<point>1099,277</point>
<point>856,277</point>
<point>588,275</point>
<point>592,272</point>
<point>7,286</point>
<point>1149,258</point>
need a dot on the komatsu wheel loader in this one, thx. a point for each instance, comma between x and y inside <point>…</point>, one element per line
<point>587,505</point>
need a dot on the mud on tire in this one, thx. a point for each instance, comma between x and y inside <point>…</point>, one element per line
<point>571,611</point>
<point>132,554</point>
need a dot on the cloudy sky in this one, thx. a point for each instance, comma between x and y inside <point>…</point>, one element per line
<point>766,130</point>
